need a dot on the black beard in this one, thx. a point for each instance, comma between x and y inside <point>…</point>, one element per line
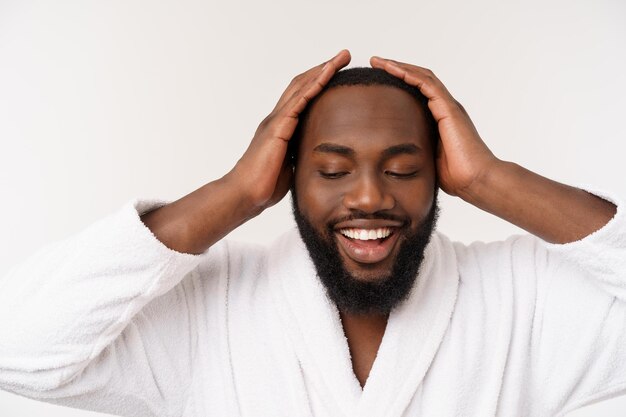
<point>355,296</point>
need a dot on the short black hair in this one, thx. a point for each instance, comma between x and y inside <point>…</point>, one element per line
<point>365,76</point>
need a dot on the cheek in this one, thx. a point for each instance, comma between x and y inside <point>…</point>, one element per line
<point>416,201</point>
<point>417,206</point>
<point>316,201</point>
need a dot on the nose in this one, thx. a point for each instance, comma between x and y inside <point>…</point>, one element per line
<point>367,194</point>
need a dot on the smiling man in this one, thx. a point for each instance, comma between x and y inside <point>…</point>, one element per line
<point>364,195</point>
<point>364,198</point>
<point>364,310</point>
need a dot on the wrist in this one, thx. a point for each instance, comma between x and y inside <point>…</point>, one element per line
<point>246,203</point>
<point>485,181</point>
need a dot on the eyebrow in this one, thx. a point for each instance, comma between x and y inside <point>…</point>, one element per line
<point>334,148</point>
<point>404,148</point>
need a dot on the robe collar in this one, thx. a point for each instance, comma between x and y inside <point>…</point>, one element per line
<point>412,337</point>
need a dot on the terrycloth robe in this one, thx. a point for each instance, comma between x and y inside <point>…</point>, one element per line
<point>112,320</point>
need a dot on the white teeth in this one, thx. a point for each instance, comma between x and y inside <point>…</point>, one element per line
<point>366,234</point>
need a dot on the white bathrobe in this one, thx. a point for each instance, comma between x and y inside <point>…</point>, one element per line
<point>112,320</point>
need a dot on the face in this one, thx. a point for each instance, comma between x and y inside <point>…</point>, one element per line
<point>365,193</point>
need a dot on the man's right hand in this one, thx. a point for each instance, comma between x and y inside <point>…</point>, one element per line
<point>260,179</point>
<point>263,173</point>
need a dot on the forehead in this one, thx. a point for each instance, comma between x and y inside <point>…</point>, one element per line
<point>372,116</point>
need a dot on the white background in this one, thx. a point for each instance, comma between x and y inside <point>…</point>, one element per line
<point>101,101</point>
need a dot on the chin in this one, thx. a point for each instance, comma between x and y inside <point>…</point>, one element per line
<point>368,272</point>
<point>372,278</point>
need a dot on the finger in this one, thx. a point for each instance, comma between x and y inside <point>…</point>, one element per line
<point>419,77</point>
<point>340,60</point>
<point>285,114</point>
<point>331,66</point>
<point>317,84</point>
<point>422,78</point>
<point>314,84</point>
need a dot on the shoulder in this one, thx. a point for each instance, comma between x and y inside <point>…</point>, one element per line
<point>234,258</point>
<point>517,251</point>
<point>231,256</point>
<point>515,243</point>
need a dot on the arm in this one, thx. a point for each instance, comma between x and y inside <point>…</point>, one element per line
<point>104,320</point>
<point>63,310</point>
<point>259,180</point>
<point>555,212</point>
<point>562,296</point>
<point>466,168</point>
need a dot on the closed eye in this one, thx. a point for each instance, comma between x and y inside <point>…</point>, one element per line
<point>332,175</point>
<point>401,175</point>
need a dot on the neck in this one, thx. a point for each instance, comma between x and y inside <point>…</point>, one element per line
<point>364,333</point>
<point>374,321</point>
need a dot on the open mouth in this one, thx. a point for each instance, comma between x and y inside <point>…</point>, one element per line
<point>366,234</point>
<point>367,245</point>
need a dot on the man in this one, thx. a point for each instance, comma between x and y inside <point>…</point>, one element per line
<point>365,311</point>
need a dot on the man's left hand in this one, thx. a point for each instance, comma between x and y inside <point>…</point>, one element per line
<point>463,158</point>
<point>466,168</point>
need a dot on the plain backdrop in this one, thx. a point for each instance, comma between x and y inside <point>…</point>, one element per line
<point>102,101</point>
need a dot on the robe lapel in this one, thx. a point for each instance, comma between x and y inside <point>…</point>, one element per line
<point>413,334</point>
<point>313,325</point>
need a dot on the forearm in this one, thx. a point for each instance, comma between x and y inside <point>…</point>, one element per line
<point>259,180</point>
<point>65,303</point>
<point>195,222</point>
<point>555,212</point>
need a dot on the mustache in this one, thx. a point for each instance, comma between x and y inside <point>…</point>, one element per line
<point>358,215</point>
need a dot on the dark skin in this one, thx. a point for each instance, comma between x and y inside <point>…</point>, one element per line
<point>465,167</point>
<point>345,165</point>
<point>365,149</point>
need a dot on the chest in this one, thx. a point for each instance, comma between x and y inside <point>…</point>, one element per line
<point>364,338</point>
<point>362,358</point>
<point>267,364</point>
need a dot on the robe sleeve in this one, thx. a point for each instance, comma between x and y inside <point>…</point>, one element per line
<point>579,326</point>
<point>98,321</point>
